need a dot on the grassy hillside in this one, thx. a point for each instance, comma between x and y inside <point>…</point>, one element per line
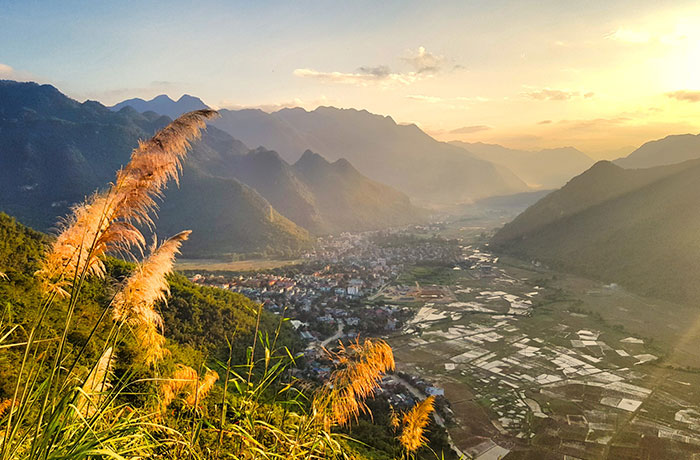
<point>196,318</point>
<point>637,228</point>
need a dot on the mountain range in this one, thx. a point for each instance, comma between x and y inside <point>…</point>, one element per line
<point>56,151</point>
<point>401,156</point>
<point>163,105</point>
<point>543,169</point>
<point>635,227</point>
<point>317,195</point>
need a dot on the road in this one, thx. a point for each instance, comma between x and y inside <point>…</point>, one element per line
<point>338,334</point>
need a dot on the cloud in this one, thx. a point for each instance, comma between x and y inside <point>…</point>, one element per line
<point>544,122</point>
<point>424,61</point>
<point>9,73</point>
<point>381,71</point>
<point>470,129</point>
<point>164,83</point>
<point>548,94</point>
<point>685,95</point>
<point>594,123</point>
<point>364,76</point>
<point>424,98</point>
<point>274,107</point>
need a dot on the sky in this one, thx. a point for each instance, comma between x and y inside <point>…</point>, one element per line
<point>602,76</point>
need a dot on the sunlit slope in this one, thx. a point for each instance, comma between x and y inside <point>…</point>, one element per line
<point>638,228</point>
<point>666,151</point>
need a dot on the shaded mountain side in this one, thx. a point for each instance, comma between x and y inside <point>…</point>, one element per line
<point>163,105</point>
<point>546,169</point>
<point>666,151</point>
<point>265,171</point>
<point>226,217</point>
<point>348,200</point>
<point>56,151</point>
<point>401,156</point>
<point>639,231</point>
<point>322,199</point>
<point>603,182</point>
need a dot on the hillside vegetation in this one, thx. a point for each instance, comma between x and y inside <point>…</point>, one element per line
<point>632,227</point>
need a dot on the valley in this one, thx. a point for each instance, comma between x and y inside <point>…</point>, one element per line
<point>532,363</point>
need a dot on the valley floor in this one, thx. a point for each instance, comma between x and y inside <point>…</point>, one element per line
<point>539,364</point>
<point>532,364</point>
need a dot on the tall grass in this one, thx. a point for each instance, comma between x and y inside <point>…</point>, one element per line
<point>67,405</point>
<point>58,408</point>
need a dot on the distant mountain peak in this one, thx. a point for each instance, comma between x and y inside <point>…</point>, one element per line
<point>161,97</point>
<point>163,105</point>
<point>675,148</point>
<point>309,157</point>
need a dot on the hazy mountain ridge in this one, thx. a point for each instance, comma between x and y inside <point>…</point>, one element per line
<point>56,151</point>
<point>51,163</point>
<point>633,227</point>
<point>546,168</point>
<point>669,150</point>
<point>163,105</point>
<point>401,156</point>
<point>316,195</point>
<point>347,202</point>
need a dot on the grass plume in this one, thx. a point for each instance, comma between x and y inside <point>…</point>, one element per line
<point>414,422</point>
<point>360,368</point>
<point>148,284</point>
<point>96,383</point>
<point>107,221</point>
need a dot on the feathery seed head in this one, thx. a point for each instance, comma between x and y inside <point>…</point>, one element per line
<point>362,366</point>
<point>414,422</point>
<point>147,285</point>
<point>185,380</point>
<point>5,406</point>
<point>106,222</point>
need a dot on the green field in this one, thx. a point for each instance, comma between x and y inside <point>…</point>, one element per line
<point>234,266</point>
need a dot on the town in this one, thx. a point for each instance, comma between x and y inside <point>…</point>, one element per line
<point>516,365</point>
